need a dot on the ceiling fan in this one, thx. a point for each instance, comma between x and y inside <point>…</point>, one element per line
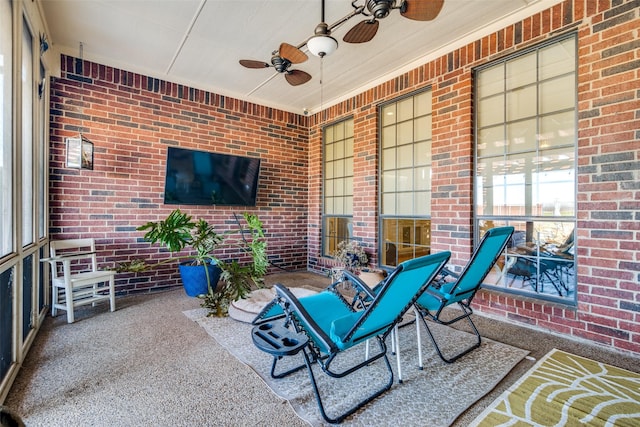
<point>281,60</point>
<point>418,10</point>
<point>321,43</point>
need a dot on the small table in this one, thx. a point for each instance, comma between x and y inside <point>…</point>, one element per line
<point>275,339</point>
<point>278,341</point>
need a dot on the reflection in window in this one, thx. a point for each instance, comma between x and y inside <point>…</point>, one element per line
<point>526,167</point>
<point>405,182</point>
<point>338,185</point>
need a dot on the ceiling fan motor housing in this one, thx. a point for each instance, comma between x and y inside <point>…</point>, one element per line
<point>380,8</point>
<point>279,63</point>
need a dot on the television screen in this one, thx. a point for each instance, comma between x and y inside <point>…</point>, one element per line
<point>203,178</point>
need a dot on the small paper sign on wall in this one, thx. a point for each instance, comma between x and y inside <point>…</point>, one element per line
<point>79,153</point>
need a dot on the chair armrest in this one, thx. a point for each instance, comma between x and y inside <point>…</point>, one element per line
<point>291,305</point>
<point>68,257</point>
<point>359,285</point>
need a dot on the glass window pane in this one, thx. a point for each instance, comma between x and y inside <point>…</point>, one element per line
<point>338,149</point>
<point>338,186</point>
<point>405,133</point>
<point>328,206</point>
<point>389,159</point>
<point>556,183</point>
<point>422,178</point>
<point>521,103</point>
<point>557,94</point>
<point>422,153</point>
<point>405,109</point>
<point>348,148</point>
<point>338,168</point>
<point>389,181</point>
<point>348,186</point>
<point>388,204</point>
<point>389,136</point>
<point>521,72</point>
<point>328,153</point>
<point>348,166</point>
<point>422,103</point>
<point>422,128</point>
<point>559,58</point>
<point>328,135</point>
<point>491,111</point>
<point>328,170</point>
<point>348,129</point>
<point>328,188</point>
<point>522,136</point>
<point>388,114</point>
<point>491,81</point>
<point>422,203</point>
<point>348,205</point>
<point>405,179</point>
<point>27,137</point>
<point>405,203</point>
<point>338,131</point>
<point>42,170</point>
<point>405,156</point>
<point>491,141</point>
<point>558,130</point>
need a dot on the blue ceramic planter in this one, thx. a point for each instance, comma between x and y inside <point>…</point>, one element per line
<point>194,278</point>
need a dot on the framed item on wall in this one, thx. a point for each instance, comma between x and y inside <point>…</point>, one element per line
<point>79,153</point>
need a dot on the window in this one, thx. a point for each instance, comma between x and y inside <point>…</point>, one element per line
<point>6,120</point>
<point>405,179</point>
<point>525,166</point>
<point>27,136</point>
<point>338,185</point>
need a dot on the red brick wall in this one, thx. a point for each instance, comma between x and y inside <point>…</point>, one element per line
<point>608,231</point>
<point>132,119</point>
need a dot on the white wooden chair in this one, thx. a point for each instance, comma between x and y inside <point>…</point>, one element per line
<point>75,278</point>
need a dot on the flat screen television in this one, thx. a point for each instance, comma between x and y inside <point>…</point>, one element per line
<point>203,178</point>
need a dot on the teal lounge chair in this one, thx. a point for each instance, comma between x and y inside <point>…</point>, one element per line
<point>324,325</point>
<point>440,294</point>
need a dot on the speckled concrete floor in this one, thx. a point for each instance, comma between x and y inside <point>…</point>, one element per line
<point>140,365</point>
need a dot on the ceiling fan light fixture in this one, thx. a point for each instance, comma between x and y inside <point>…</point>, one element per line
<point>322,44</point>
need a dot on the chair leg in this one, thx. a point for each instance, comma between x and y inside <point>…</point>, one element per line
<point>68,296</point>
<point>55,293</point>
<point>339,418</point>
<point>395,338</point>
<point>112,294</point>
<point>419,339</point>
<point>463,352</point>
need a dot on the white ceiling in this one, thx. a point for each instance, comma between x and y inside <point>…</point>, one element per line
<point>198,43</point>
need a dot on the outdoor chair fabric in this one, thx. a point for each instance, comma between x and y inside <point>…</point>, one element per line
<point>442,294</point>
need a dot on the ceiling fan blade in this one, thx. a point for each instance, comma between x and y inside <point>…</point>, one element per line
<point>253,64</point>
<point>297,77</point>
<point>362,32</point>
<point>421,10</point>
<point>292,53</point>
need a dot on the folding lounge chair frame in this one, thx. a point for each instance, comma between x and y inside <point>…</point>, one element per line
<point>442,294</point>
<point>321,342</point>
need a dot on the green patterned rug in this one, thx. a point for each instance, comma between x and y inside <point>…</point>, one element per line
<point>563,389</point>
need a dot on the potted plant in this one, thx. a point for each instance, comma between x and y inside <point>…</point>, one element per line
<point>354,259</point>
<point>351,255</point>
<point>178,232</point>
